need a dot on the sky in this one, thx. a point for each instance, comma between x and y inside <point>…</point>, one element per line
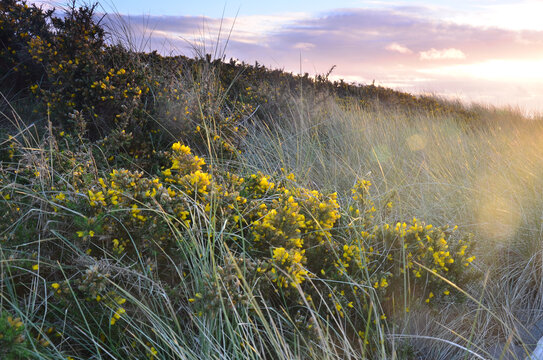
<point>487,51</point>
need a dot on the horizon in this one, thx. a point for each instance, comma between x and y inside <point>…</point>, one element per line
<point>490,52</point>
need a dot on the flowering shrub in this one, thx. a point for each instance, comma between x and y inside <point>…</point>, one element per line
<point>291,245</point>
<point>19,23</point>
<point>294,232</point>
<point>411,250</point>
<point>97,90</point>
<point>81,76</point>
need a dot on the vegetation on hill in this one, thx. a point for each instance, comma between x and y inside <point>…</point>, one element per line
<point>171,207</point>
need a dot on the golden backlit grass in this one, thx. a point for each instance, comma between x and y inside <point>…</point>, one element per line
<point>487,177</point>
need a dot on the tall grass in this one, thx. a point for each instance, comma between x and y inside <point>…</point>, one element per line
<point>227,335</point>
<point>485,176</point>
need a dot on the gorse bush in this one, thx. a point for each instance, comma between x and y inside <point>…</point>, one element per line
<point>92,87</point>
<point>19,24</point>
<point>291,249</point>
<point>64,60</point>
<point>83,76</point>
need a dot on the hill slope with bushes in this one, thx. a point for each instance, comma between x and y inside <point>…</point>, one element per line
<point>185,208</point>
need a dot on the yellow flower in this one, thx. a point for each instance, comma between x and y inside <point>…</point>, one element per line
<point>181,148</point>
<point>280,254</point>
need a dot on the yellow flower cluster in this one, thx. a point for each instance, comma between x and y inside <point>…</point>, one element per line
<point>406,248</point>
<point>293,234</point>
<point>296,220</point>
<point>95,198</point>
<point>321,213</point>
<point>11,331</point>
<point>15,322</point>
<point>289,267</point>
<point>361,195</point>
<point>282,223</point>
<point>187,172</point>
<point>360,190</point>
<point>259,184</point>
<point>117,315</point>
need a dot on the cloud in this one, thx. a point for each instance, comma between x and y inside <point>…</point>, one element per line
<point>399,48</point>
<point>303,46</point>
<point>434,54</point>
<point>514,15</point>
<point>365,44</point>
<point>243,29</point>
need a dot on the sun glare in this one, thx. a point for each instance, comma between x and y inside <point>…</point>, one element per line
<point>527,70</point>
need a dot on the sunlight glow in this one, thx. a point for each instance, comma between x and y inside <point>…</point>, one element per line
<point>519,15</point>
<point>497,219</point>
<point>527,70</point>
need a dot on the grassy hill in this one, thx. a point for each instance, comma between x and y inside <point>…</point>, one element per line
<point>190,208</point>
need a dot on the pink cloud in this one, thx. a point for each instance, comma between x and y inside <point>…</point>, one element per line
<point>303,46</point>
<point>399,48</point>
<point>366,44</point>
<point>434,54</point>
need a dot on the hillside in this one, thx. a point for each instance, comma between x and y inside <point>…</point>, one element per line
<point>160,207</point>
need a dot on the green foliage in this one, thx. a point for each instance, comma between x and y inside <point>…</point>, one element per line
<point>81,80</point>
<point>13,342</point>
<point>19,24</point>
